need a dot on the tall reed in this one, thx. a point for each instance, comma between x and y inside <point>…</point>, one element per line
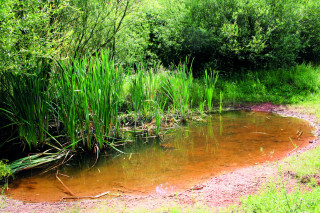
<point>82,99</point>
<point>88,97</point>
<point>158,114</point>
<point>27,103</point>
<point>138,91</point>
<point>177,87</point>
<point>210,80</point>
<point>151,87</point>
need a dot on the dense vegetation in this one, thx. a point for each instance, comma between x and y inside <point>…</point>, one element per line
<point>74,73</point>
<point>226,35</point>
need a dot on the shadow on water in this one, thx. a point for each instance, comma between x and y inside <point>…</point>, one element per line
<point>186,157</point>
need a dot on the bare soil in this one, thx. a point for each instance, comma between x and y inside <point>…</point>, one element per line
<point>217,192</point>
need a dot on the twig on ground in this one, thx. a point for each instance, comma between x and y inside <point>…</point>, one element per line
<point>86,197</point>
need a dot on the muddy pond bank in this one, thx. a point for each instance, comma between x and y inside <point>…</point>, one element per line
<point>221,190</point>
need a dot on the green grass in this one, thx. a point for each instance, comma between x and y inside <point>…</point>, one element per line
<point>274,199</point>
<point>305,164</point>
<point>280,86</point>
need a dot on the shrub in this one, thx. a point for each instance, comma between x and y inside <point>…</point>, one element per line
<point>228,35</point>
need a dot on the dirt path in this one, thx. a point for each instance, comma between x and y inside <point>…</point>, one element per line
<point>217,192</point>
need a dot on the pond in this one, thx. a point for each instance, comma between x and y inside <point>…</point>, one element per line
<point>184,158</point>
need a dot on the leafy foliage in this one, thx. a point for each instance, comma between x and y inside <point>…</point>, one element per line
<point>229,35</point>
<point>33,29</point>
<point>29,31</point>
<point>152,33</point>
<point>225,35</point>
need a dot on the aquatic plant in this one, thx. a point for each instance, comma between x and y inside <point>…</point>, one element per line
<point>210,81</point>
<point>151,89</point>
<point>158,114</point>
<point>27,103</point>
<point>88,96</point>
<point>177,87</point>
<point>137,90</point>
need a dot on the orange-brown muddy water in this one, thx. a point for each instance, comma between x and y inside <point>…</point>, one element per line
<point>189,156</point>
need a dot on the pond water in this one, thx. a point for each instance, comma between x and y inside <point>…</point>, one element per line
<point>189,156</point>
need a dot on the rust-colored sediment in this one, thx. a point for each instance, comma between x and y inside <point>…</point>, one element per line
<point>231,141</point>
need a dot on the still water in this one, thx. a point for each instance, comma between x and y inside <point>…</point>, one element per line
<point>186,157</point>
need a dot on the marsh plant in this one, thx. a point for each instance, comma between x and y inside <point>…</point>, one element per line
<point>27,103</point>
<point>177,87</point>
<point>138,91</point>
<point>210,80</point>
<point>88,96</point>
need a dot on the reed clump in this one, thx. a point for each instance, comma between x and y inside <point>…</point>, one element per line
<point>88,96</point>
<point>87,103</point>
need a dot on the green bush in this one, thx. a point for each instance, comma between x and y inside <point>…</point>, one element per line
<point>310,31</point>
<point>231,35</point>
<point>34,29</point>
<point>152,33</point>
<point>226,35</point>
